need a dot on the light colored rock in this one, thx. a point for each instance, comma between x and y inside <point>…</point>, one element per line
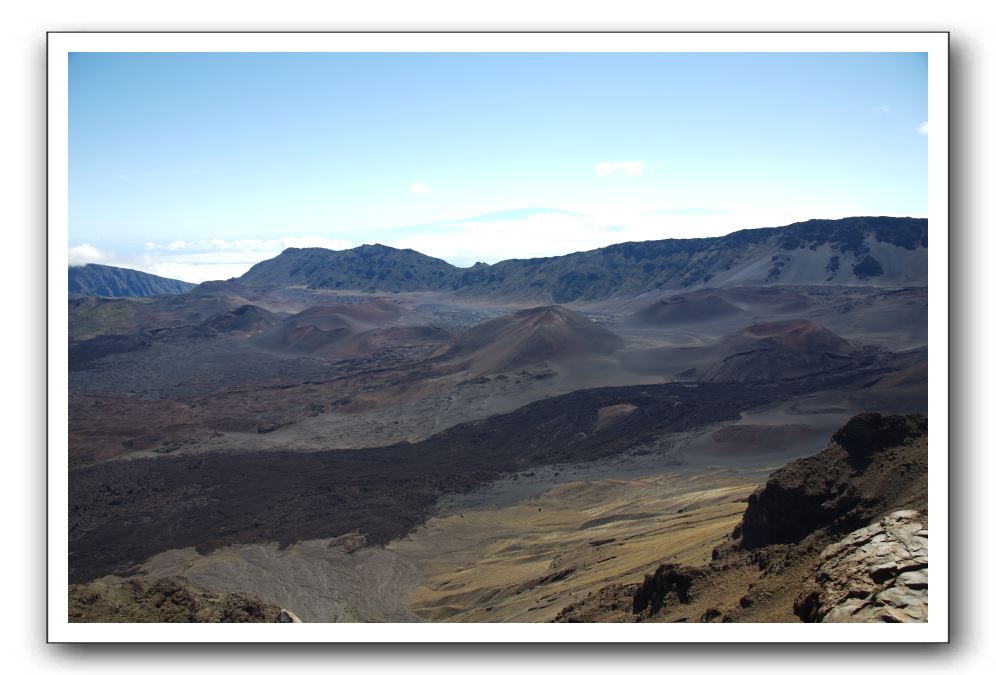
<point>876,573</point>
<point>287,616</point>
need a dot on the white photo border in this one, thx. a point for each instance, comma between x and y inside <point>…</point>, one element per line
<point>61,44</point>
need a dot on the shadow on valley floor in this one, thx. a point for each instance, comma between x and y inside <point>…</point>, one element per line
<point>121,513</point>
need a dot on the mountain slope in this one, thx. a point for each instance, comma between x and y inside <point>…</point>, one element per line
<point>681,309</point>
<point>530,336</point>
<point>118,282</point>
<point>880,251</point>
<point>862,250</point>
<point>350,330</point>
<point>783,349</point>
<point>367,267</point>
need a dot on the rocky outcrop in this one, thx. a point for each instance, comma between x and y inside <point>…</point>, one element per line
<point>805,548</point>
<point>287,616</point>
<point>668,585</point>
<point>876,574</point>
<point>873,464</point>
<point>166,600</point>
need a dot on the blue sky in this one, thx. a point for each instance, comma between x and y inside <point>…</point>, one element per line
<point>198,165</point>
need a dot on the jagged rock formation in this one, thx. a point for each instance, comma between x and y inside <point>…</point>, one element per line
<point>118,282</point>
<point>872,463</point>
<point>804,548</point>
<point>166,600</point>
<point>860,250</point>
<point>876,573</point>
<point>668,584</point>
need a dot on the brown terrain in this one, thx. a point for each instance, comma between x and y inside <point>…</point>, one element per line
<point>528,337</point>
<point>168,600</point>
<point>373,435</point>
<point>528,561</point>
<point>766,569</point>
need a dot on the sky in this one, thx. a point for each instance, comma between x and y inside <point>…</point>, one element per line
<point>196,166</point>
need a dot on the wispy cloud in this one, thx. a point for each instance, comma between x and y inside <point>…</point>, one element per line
<point>419,188</point>
<point>922,129</point>
<point>627,168</point>
<point>881,109</point>
<point>194,272</point>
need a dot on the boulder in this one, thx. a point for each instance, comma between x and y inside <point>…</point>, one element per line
<point>287,616</point>
<point>875,574</point>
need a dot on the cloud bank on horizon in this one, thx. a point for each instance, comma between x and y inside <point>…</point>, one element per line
<point>490,238</point>
<point>196,166</point>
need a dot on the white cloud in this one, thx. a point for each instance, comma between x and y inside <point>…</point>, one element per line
<point>85,253</point>
<point>195,273</point>
<point>881,109</point>
<point>630,168</point>
<point>922,129</point>
<point>177,245</point>
<point>419,188</point>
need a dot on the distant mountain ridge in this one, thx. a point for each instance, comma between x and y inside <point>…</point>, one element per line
<point>105,281</point>
<point>860,250</point>
<point>367,267</point>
